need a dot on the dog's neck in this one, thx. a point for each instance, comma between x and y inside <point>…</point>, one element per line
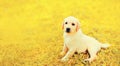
<point>73,34</point>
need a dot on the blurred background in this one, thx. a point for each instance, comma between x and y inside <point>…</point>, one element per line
<point>31,33</point>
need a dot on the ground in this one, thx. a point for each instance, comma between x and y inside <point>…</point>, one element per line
<point>31,33</point>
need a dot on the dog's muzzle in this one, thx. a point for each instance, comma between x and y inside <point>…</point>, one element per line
<point>68,30</point>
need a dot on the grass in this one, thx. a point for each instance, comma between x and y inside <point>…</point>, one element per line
<point>31,34</point>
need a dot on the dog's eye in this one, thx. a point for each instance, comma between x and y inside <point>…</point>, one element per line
<point>73,24</point>
<point>65,22</point>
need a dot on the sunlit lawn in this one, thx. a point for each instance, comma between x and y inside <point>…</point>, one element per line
<point>31,33</point>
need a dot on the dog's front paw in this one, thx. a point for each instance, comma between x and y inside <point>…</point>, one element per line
<point>64,59</point>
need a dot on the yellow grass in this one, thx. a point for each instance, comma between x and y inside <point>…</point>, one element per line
<point>31,34</point>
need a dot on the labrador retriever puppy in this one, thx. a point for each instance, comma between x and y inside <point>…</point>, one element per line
<point>76,41</point>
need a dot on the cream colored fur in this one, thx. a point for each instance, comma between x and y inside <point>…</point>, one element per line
<point>77,41</point>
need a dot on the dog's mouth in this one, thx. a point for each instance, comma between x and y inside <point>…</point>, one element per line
<point>68,30</point>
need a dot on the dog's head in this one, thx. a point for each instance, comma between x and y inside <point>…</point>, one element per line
<point>71,25</point>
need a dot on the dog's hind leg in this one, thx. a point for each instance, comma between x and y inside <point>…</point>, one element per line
<point>92,53</point>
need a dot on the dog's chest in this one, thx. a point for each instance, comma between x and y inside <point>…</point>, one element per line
<point>70,42</point>
<point>76,43</point>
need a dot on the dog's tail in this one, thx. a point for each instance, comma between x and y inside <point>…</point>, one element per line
<point>106,45</point>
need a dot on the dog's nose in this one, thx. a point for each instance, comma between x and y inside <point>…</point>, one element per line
<point>67,30</point>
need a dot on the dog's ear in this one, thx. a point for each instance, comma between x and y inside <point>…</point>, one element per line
<point>63,25</point>
<point>78,26</point>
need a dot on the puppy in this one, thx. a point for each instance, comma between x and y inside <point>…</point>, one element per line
<point>76,41</point>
